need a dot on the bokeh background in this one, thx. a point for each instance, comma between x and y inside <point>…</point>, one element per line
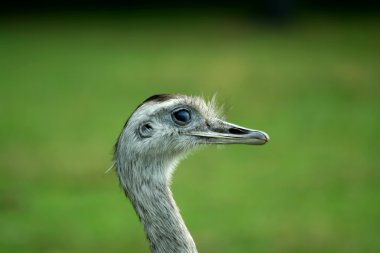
<point>308,74</point>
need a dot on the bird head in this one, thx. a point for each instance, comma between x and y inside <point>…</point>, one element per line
<point>164,127</point>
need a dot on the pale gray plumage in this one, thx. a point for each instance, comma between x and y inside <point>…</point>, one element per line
<point>154,139</point>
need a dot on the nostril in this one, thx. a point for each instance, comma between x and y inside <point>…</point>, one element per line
<point>237,131</point>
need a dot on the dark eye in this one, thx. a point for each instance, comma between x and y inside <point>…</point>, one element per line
<point>182,116</point>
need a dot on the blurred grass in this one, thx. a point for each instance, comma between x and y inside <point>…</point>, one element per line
<point>69,83</point>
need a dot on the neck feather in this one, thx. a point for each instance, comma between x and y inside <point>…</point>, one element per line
<point>157,210</point>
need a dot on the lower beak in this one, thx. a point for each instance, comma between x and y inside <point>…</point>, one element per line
<point>222,132</point>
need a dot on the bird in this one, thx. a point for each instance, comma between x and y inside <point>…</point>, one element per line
<point>161,131</point>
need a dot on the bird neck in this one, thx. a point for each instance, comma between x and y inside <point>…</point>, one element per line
<point>163,224</point>
<point>157,210</point>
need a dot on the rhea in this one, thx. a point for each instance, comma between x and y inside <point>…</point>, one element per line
<point>161,131</point>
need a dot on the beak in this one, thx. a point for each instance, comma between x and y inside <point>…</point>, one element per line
<point>221,132</point>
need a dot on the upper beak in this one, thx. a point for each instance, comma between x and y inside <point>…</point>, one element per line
<point>221,132</point>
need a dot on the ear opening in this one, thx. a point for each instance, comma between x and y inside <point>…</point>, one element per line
<point>146,130</point>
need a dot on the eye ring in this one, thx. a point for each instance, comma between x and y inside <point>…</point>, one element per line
<point>181,116</point>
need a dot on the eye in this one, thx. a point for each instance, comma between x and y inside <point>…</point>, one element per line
<point>181,116</point>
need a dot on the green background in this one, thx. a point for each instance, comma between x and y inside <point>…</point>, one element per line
<point>69,82</point>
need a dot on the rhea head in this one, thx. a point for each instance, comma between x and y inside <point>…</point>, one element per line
<point>165,127</point>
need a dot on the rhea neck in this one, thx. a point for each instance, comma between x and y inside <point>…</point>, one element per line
<point>146,184</point>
